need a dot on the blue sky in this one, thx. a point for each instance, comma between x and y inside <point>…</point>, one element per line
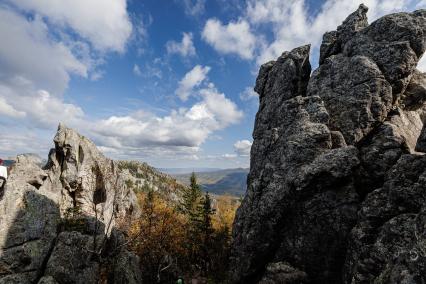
<point>163,81</point>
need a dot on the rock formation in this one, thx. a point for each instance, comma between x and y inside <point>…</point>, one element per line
<point>337,190</point>
<point>58,224</point>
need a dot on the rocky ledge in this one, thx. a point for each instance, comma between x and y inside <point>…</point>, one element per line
<point>58,224</point>
<point>337,185</point>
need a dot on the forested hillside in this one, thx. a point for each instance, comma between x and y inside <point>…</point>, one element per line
<point>189,237</point>
<point>228,181</point>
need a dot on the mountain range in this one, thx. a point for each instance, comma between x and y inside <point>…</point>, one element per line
<point>222,181</point>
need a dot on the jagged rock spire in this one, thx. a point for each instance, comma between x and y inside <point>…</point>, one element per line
<point>54,221</point>
<point>334,192</point>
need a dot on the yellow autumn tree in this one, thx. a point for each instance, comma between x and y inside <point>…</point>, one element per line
<point>225,209</point>
<point>157,238</point>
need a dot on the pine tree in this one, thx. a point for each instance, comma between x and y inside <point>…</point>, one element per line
<point>205,231</point>
<point>189,207</point>
<point>205,213</point>
<point>191,198</point>
<point>148,209</point>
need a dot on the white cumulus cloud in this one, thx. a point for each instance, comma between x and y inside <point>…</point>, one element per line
<point>249,94</point>
<point>45,44</point>
<point>46,110</point>
<point>8,110</point>
<point>242,147</point>
<point>234,37</point>
<point>105,23</point>
<point>14,141</point>
<point>184,48</point>
<point>29,53</point>
<point>38,109</point>
<point>181,128</point>
<point>292,24</point>
<point>191,79</point>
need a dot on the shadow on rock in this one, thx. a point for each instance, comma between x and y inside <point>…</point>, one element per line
<point>41,247</point>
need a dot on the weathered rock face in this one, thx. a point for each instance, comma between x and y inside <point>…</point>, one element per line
<point>55,222</point>
<point>355,93</point>
<point>88,179</point>
<point>388,244</point>
<point>335,191</point>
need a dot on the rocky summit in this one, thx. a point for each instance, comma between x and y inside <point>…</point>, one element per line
<point>58,224</point>
<point>337,184</point>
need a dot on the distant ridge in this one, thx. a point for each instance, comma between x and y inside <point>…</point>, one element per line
<point>222,181</point>
<point>177,171</point>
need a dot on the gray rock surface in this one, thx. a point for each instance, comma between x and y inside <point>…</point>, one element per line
<point>55,221</point>
<point>335,189</point>
<point>395,43</point>
<point>415,94</point>
<point>388,244</point>
<point>334,41</point>
<point>355,93</point>
<point>72,260</point>
<point>291,137</point>
<point>283,273</point>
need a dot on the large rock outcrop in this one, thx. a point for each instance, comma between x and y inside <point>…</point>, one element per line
<point>335,191</point>
<point>57,223</point>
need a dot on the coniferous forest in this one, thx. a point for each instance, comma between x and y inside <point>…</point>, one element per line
<point>189,239</point>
